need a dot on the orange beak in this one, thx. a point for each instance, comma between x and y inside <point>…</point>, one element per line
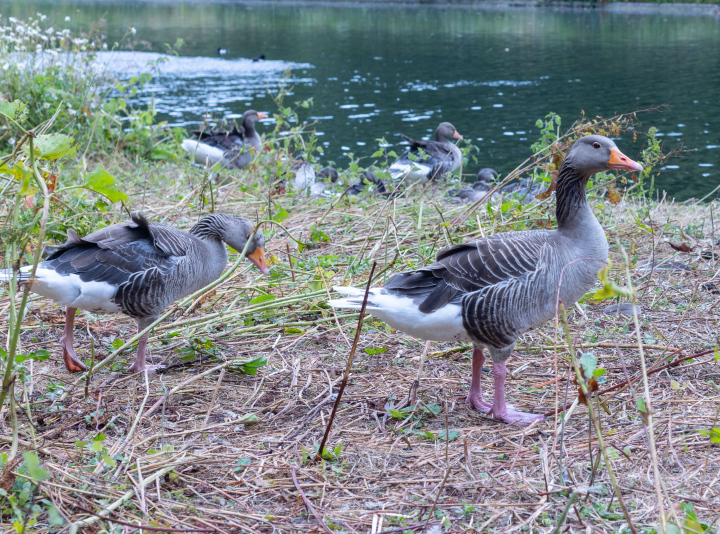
<point>262,116</point>
<point>258,260</point>
<point>618,160</point>
<point>457,135</point>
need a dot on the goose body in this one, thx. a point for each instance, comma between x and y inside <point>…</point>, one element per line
<point>233,150</point>
<point>137,268</point>
<point>429,160</point>
<point>311,182</point>
<point>483,184</point>
<point>368,178</point>
<point>492,290</point>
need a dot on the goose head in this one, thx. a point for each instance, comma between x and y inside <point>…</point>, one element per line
<point>485,179</point>
<point>445,131</point>
<point>250,117</point>
<point>597,153</point>
<point>236,233</point>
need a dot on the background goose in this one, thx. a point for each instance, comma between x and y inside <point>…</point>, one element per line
<point>138,268</point>
<point>234,149</point>
<point>313,182</point>
<point>492,290</point>
<point>368,178</point>
<point>483,184</point>
<point>438,157</point>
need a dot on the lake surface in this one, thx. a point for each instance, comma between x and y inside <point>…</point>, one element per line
<point>378,72</point>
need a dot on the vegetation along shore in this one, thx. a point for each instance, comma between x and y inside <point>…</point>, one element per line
<point>224,435</point>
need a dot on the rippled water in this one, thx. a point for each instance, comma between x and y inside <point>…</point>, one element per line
<point>378,72</point>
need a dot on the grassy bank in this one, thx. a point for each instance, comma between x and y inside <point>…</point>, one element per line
<point>223,440</point>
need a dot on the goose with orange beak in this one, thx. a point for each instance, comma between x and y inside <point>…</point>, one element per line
<point>233,150</point>
<point>492,290</point>
<point>138,268</point>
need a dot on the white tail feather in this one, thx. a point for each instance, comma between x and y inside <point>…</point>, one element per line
<point>203,154</point>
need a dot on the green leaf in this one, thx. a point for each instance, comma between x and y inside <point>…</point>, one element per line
<point>290,330</point>
<point>588,362</point>
<point>396,414</point>
<point>15,110</point>
<point>103,182</point>
<point>280,215</point>
<point>640,403</point>
<point>54,146</point>
<point>117,343</point>
<point>250,367</point>
<point>262,298</point>
<point>452,436</point>
<point>539,123</point>
<point>36,472</point>
<point>248,419</point>
<point>241,464</point>
<point>377,154</point>
<point>599,372</point>
<point>375,350</point>
<point>38,355</point>
<point>100,437</point>
<point>714,434</point>
<point>674,385</point>
<point>108,460</point>
<point>717,352</point>
<point>54,517</point>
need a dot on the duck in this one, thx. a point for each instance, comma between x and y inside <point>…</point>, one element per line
<point>438,157</point>
<point>483,183</point>
<point>233,149</point>
<point>491,290</point>
<point>137,268</point>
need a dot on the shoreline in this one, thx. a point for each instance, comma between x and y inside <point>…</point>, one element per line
<point>630,8</point>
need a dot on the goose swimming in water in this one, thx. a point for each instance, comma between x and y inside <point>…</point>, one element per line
<point>234,149</point>
<point>137,268</point>
<point>492,290</point>
<point>429,160</point>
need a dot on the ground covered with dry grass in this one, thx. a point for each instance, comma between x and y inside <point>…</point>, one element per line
<point>225,438</point>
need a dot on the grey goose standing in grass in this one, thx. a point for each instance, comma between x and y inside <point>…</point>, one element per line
<point>492,290</point>
<point>138,268</point>
<point>233,149</point>
<point>429,160</point>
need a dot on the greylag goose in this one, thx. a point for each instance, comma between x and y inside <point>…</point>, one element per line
<point>492,290</point>
<point>479,189</point>
<point>438,157</point>
<point>313,182</point>
<point>368,178</point>
<point>233,149</point>
<point>524,189</point>
<point>138,268</point>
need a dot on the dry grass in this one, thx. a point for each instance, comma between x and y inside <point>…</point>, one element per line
<point>189,457</point>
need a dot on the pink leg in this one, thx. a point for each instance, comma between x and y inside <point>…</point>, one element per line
<point>72,363</point>
<point>500,409</point>
<point>475,397</point>
<point>140,364</point>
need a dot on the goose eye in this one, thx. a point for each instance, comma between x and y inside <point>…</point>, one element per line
<point>596,145</point>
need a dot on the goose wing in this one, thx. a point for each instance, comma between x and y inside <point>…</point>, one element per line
<point>118,252</point>
<point>462,269</point>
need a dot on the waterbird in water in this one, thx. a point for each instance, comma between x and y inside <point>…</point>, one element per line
<point>233,149</point>
<point>137,268</point>
<point>261,57</point>
<point>223,51</point>
<point>429,160</point>
<point>492,290</point>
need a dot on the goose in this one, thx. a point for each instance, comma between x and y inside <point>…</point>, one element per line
<point>313,182</point>
<point>368,178</point>
<point>222,51</point>
<point>233,149</point>
<point>438,157</point>
<point>137,268</point>
<point>524,189</point>
<point>492,290</point>
<point>483,184</point>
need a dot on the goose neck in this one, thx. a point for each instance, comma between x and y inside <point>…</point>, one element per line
<point>571,200</point>
<point>210,228</point>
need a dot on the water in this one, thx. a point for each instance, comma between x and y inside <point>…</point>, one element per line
<point>377,72</point>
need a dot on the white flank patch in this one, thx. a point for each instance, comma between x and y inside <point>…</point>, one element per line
<point>402,314</point>
<point>416,172</point>
<point>69,290</point>
<point>203,154</point>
